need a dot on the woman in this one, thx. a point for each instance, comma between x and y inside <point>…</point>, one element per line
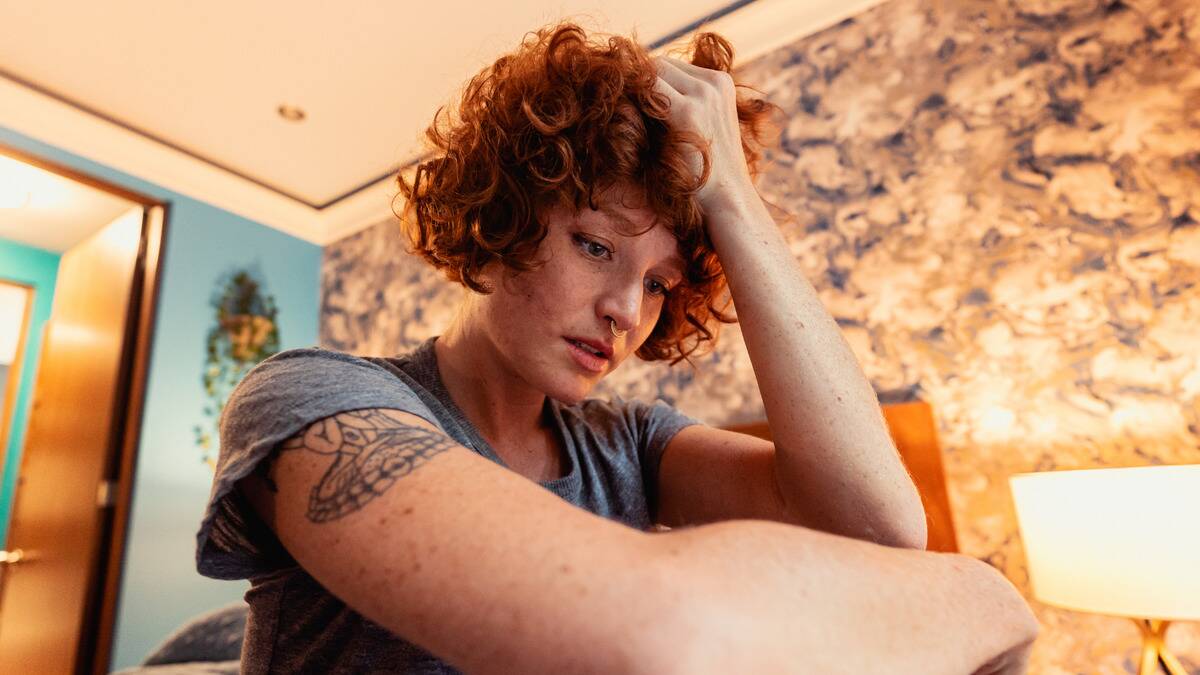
<point>466,506</point>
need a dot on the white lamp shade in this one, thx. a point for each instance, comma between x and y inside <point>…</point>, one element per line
<point>1114,541</point>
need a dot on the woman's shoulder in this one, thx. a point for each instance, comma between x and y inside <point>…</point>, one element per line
<point>315,353</point>
<point>316,361</point>
<point>322,381</point>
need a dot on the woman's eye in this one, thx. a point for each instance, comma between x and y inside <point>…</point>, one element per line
<point>658,288</point>
<point>594,249</point>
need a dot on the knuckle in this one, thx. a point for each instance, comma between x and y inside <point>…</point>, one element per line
<point>720,86</point>
<point>723,80</point>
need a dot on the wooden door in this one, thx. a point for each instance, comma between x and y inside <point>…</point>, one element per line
<point>54,598</point>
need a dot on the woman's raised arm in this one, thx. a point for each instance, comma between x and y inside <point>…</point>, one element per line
<point>835,463</point>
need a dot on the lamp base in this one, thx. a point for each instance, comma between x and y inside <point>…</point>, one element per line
<point>1154,648</point>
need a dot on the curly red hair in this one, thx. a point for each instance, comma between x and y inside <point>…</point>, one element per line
<point>558,122</point>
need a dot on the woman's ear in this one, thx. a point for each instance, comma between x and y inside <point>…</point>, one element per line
<point>481,279</point>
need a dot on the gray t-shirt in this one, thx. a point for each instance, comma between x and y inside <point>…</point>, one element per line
<point>612,453</point>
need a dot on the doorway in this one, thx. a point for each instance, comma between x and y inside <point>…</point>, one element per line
<point>60,569</point>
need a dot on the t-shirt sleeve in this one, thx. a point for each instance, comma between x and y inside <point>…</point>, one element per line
<point>274,401</point>
<point>656,424</point>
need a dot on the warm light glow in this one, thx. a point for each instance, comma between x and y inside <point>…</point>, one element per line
<point>997,420</point>
<point>1147,418</point>
<point>77,334</point>
<point>122,234</point>
<point>23,185</point>
<point>1114,541</point>
<point>1043,426</point>
<point>13,196</point>
<point>14,184</point>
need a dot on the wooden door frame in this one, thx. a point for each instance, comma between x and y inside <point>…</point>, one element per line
<point>104,579</point>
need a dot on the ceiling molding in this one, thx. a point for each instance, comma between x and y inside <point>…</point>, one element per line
<point>754,29</point>
<point>366,208</point>
<point>56,123</point>
<point>766,25</point>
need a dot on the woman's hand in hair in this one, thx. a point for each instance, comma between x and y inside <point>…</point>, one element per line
<point>704,101</point>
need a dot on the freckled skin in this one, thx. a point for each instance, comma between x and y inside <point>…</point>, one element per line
<point>593,271</point>
<point>575,294</point>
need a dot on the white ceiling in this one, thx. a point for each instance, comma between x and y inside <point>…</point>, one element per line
<point>186,94</point>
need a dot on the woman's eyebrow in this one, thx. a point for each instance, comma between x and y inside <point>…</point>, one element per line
<point>621,218</point>
<point>674,262</point>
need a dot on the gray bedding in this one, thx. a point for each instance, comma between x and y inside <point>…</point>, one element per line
<point>210,644</point>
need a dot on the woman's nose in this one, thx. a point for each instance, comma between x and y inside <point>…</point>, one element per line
<point>622,304</point>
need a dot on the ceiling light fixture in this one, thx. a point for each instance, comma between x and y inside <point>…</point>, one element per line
<point>291,113</point>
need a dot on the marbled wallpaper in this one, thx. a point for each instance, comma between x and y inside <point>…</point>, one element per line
<point>999,200</point>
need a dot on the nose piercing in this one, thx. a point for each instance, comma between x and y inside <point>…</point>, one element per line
<point>612,325</point>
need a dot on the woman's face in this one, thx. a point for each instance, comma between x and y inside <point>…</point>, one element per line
<point>593,271</point>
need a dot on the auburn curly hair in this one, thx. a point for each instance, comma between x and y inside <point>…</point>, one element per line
<point>558,122</point>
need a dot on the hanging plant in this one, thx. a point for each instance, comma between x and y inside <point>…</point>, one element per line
<point>244,334</point>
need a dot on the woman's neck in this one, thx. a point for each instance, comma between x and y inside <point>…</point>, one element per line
<point>502,406</point>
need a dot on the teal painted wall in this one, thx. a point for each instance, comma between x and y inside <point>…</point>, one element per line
<point>160,587</point>
<point>37,268</point>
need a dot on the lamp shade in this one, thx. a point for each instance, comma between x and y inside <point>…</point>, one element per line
<point>1114,541</point>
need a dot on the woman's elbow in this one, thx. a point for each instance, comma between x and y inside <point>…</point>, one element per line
<point>910,523</point>
<point>915,536</point>
<point>909,530</point>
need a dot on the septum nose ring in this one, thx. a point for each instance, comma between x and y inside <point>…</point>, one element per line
<point>612,325</point>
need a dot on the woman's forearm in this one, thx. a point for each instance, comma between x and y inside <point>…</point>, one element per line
<point>769,597</point>
<point>834,457</point>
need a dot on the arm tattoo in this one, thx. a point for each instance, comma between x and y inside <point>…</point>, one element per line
<point>370,449</point>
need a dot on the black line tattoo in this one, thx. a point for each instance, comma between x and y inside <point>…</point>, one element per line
<point>371,450</point>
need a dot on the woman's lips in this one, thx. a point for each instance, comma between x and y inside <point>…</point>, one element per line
<point>586,359</point>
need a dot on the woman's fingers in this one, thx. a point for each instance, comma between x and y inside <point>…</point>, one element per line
<point>665,88</point>
<point>678,79</point>
<point>691,69</point>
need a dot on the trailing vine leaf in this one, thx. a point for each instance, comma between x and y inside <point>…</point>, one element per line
<point>244,333</point>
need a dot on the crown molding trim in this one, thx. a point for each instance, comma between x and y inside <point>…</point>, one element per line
<point>56,123</point>
<point>754,29</point>
<point>766,25</point>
